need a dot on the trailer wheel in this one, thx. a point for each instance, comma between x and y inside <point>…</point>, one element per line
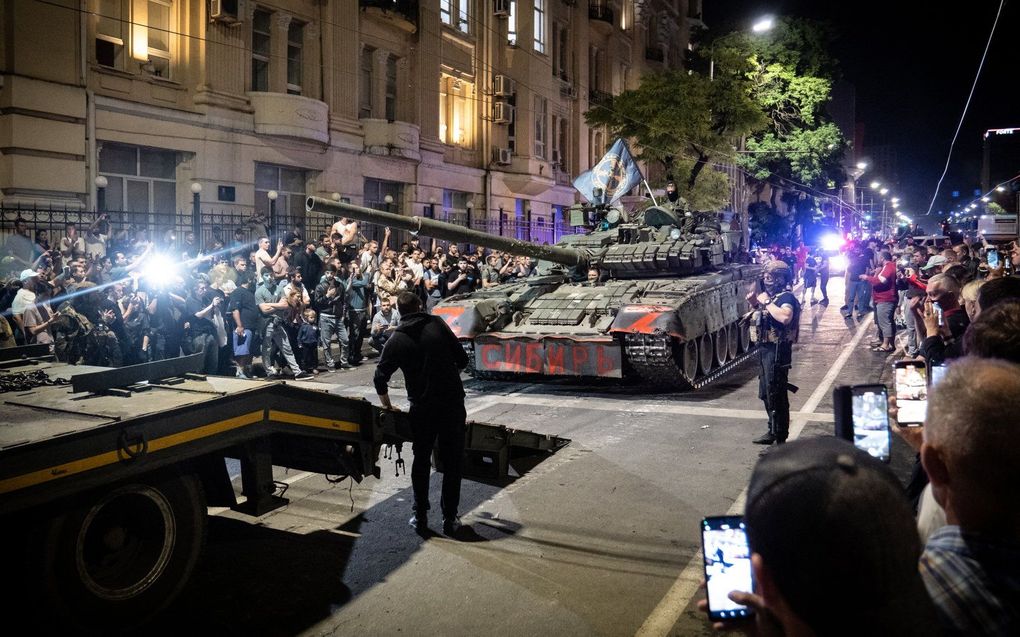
<point>123,555</point>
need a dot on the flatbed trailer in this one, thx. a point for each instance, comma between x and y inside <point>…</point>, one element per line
<point>111,471</point>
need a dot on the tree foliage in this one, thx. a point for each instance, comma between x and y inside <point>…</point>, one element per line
<point>683,122</point>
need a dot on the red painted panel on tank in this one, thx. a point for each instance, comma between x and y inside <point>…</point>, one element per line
<point>552,356</point>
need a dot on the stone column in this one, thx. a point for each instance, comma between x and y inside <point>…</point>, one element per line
<point>311,71</point>
<point>278,47</point>
<point>425,71</point>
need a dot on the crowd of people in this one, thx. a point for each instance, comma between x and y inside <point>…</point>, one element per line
<point>839,546</point>
<point>112,297</point>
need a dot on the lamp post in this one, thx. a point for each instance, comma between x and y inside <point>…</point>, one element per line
<point>272,195</point>
<point>196,209</point>
<point>855,176</point>
<point>101,184</point>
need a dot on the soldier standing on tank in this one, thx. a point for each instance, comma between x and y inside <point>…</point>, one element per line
<point>774,324</point>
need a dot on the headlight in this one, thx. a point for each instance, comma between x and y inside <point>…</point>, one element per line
<point>838,262</point>
<point>832,242</point>
<point>160,271</point>
<point>674,234</point>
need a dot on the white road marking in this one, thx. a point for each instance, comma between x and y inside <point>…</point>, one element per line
<point>664,617</point>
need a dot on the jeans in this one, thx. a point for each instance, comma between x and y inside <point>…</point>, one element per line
<point>856,291</point>
<point>276,335</point>
<point>330,325</point>
<point>357,336</point>
<point>206,343</point>
<point>443,425</point>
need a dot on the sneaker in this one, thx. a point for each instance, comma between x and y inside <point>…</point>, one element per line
<point>346,366</point>
<point>272,375</point>
<point>240,374</point>
<point>767,439</point>
<point>824,302</point>
<point>814,301</point>
<point>451,525</point>
<point>302,374</point>
<point>419,522</point>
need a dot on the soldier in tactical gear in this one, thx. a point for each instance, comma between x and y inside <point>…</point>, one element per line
<point>775,318</point>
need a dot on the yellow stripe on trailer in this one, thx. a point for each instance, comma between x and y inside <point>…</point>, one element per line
<point>313,421</point>
<point>113,457</point>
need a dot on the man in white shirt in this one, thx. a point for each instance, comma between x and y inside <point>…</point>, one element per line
<point>262,258</point>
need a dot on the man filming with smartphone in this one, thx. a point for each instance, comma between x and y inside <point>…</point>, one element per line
<point>775,317</point>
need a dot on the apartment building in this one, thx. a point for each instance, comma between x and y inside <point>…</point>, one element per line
<point>462,109</point>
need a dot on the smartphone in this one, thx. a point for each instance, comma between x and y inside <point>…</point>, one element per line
<point>937,371</point>
<point>870,417</point>
<point>911,392</point>
<point>938,312</point>
<point>727,565</point>
<point>993,258</point>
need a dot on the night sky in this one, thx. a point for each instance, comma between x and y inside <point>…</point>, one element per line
<point>912,65</point>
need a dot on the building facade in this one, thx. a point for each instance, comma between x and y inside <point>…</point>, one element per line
<point>459,109</point>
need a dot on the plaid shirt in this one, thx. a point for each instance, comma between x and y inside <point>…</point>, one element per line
<point>973,581</point>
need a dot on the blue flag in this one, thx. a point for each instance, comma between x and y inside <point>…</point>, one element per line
<point>616,173</point>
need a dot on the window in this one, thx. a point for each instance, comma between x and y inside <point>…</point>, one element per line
<point>391,88</point>
<point>375,197</point>
<point>559,142</point>
<point>561,51</point>
<point>511,24</point>
<point>260,51</point>
<point>159,37</point>
<point>541,126</point>
<point>540,25</point>
<point>456,113</point>
<point>455,13</point>
<point>365,83</point>
<point>139,179</point>
<point>110,34</point>
<point>295,40</point>
<point>289,183</point>
<point>511,129</point>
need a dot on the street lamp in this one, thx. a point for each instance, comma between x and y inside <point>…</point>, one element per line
<point>196,208</point>
<point>272,195</point>
<point>101,184</point>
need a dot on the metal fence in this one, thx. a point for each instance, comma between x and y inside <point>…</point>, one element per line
<point>169,230</point>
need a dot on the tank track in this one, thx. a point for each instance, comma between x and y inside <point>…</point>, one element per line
<point>652,357</point>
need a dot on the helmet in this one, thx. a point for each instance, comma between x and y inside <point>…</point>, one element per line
<point>778,268</point>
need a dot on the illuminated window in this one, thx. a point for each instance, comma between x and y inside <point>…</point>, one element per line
<point>455,13</point>
<point>295,40</point>
<point>511,24</point>
<point>159,37</point>
<point>540,26</point>
<point>541,126</point>
<point>261,32</point>
<point>456,112</point>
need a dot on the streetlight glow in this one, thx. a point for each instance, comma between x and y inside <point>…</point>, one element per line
<point>884,191</point>
<point>874,185</point>
<point>862,165</point>
<point>763,25</point>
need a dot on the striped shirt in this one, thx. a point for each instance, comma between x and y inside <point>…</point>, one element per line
<point>973,581</point>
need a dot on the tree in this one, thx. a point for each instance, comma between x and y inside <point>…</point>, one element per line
<point>683,122</point>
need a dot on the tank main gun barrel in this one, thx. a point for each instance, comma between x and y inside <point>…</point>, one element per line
<point>449,232</point>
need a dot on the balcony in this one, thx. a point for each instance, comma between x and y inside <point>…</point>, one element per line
<point>287,115</point>
<point>601,16</point>
<point>599,98</point>
<point>402,14</point>
<point>397,139</point>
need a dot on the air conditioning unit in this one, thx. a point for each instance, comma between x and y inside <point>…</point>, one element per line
<point>502,86</point>
<point>502,113</point>
<point>224,11</point>
<point>502,156</point>
<point>501,8</point>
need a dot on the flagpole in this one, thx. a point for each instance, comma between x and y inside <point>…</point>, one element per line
<point>654,202</point>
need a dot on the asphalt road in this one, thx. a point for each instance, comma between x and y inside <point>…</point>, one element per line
<point>600,538</point>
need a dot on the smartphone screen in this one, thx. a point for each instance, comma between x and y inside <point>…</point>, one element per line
<point>937,372</point>
<point>870,409</point>
<point>911,392</point>
<point>993,258</point>
<point>727,565</point>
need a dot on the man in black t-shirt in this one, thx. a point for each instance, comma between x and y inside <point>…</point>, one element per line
<point>775,323</point>
<point>464,280</point>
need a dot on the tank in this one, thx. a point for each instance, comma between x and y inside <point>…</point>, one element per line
<point>669,307</point>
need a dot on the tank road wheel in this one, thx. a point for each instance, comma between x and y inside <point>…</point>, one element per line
<point>722,346</point>
<point>689,359</point>
<point>705,353</point>
<point>732,340</point>
<point>123,555</point>
<point>744,331</point>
